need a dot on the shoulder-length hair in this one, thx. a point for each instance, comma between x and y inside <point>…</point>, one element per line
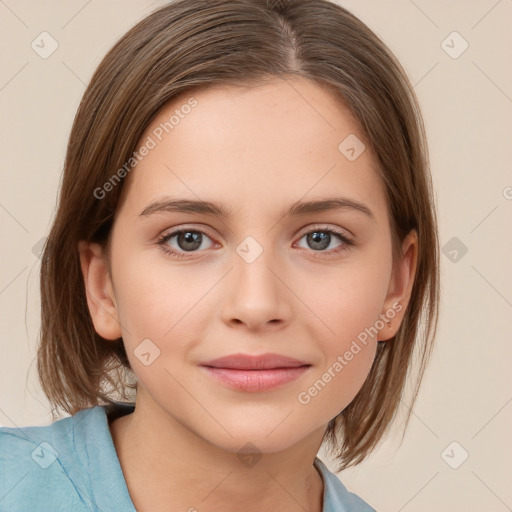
<point>203,43</point>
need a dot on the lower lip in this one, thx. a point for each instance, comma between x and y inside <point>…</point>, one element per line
<point>256,380</point>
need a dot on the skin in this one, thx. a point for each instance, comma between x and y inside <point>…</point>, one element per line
<point>256,150</point>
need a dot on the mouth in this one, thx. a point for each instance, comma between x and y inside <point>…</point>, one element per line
<point>255,373</point>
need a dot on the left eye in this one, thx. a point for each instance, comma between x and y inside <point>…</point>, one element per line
<point>320,240</point>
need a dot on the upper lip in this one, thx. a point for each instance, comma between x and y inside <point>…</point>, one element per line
<point>251,362</point>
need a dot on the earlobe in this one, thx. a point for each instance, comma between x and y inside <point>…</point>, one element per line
<point>99,290</point>
<point>400,287</point>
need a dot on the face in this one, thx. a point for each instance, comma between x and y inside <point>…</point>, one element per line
<point>315,285</point>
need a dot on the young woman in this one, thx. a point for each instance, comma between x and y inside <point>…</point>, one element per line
<point>246,238</point>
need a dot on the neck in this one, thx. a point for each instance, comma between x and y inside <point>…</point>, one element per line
<point>168,467</point>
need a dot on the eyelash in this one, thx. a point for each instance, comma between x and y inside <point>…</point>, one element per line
<point>347,242</point>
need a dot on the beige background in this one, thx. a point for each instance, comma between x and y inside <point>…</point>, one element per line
<point>467,104</point>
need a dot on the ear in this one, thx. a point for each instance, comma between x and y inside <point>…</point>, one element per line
<point>99,290</point>
<point>400,287</point>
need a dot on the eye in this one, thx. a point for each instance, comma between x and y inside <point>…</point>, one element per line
<point>320,238</point>
<point>186,240</point>
<point>182,241</point>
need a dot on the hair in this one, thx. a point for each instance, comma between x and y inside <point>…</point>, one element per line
<point>188,45</point>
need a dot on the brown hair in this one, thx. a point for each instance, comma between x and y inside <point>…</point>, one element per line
<point>204,43</point>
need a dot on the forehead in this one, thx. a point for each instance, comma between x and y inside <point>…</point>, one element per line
<point>273,143</point>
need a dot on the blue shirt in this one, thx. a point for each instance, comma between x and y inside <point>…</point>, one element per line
<point>72,466</point>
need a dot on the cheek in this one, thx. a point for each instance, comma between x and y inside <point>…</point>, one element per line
<point>348,307</point>
<point>157,298</point>
<point>345,301</point>
<point>158,307</point>
<point>335,386</point>
<point>168,305</point>
<point>346,364</point>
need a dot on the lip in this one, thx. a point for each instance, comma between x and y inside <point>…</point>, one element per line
<point>255,373</point>
<point>252,362</point>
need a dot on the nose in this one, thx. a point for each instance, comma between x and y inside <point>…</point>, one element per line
<point>257,295</point>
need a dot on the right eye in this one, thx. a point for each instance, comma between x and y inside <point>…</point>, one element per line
<point>186,241</point>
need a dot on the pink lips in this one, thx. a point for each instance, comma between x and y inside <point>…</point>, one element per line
<point>255,373</point>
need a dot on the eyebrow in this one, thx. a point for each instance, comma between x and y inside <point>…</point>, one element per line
<point>219,210</point>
